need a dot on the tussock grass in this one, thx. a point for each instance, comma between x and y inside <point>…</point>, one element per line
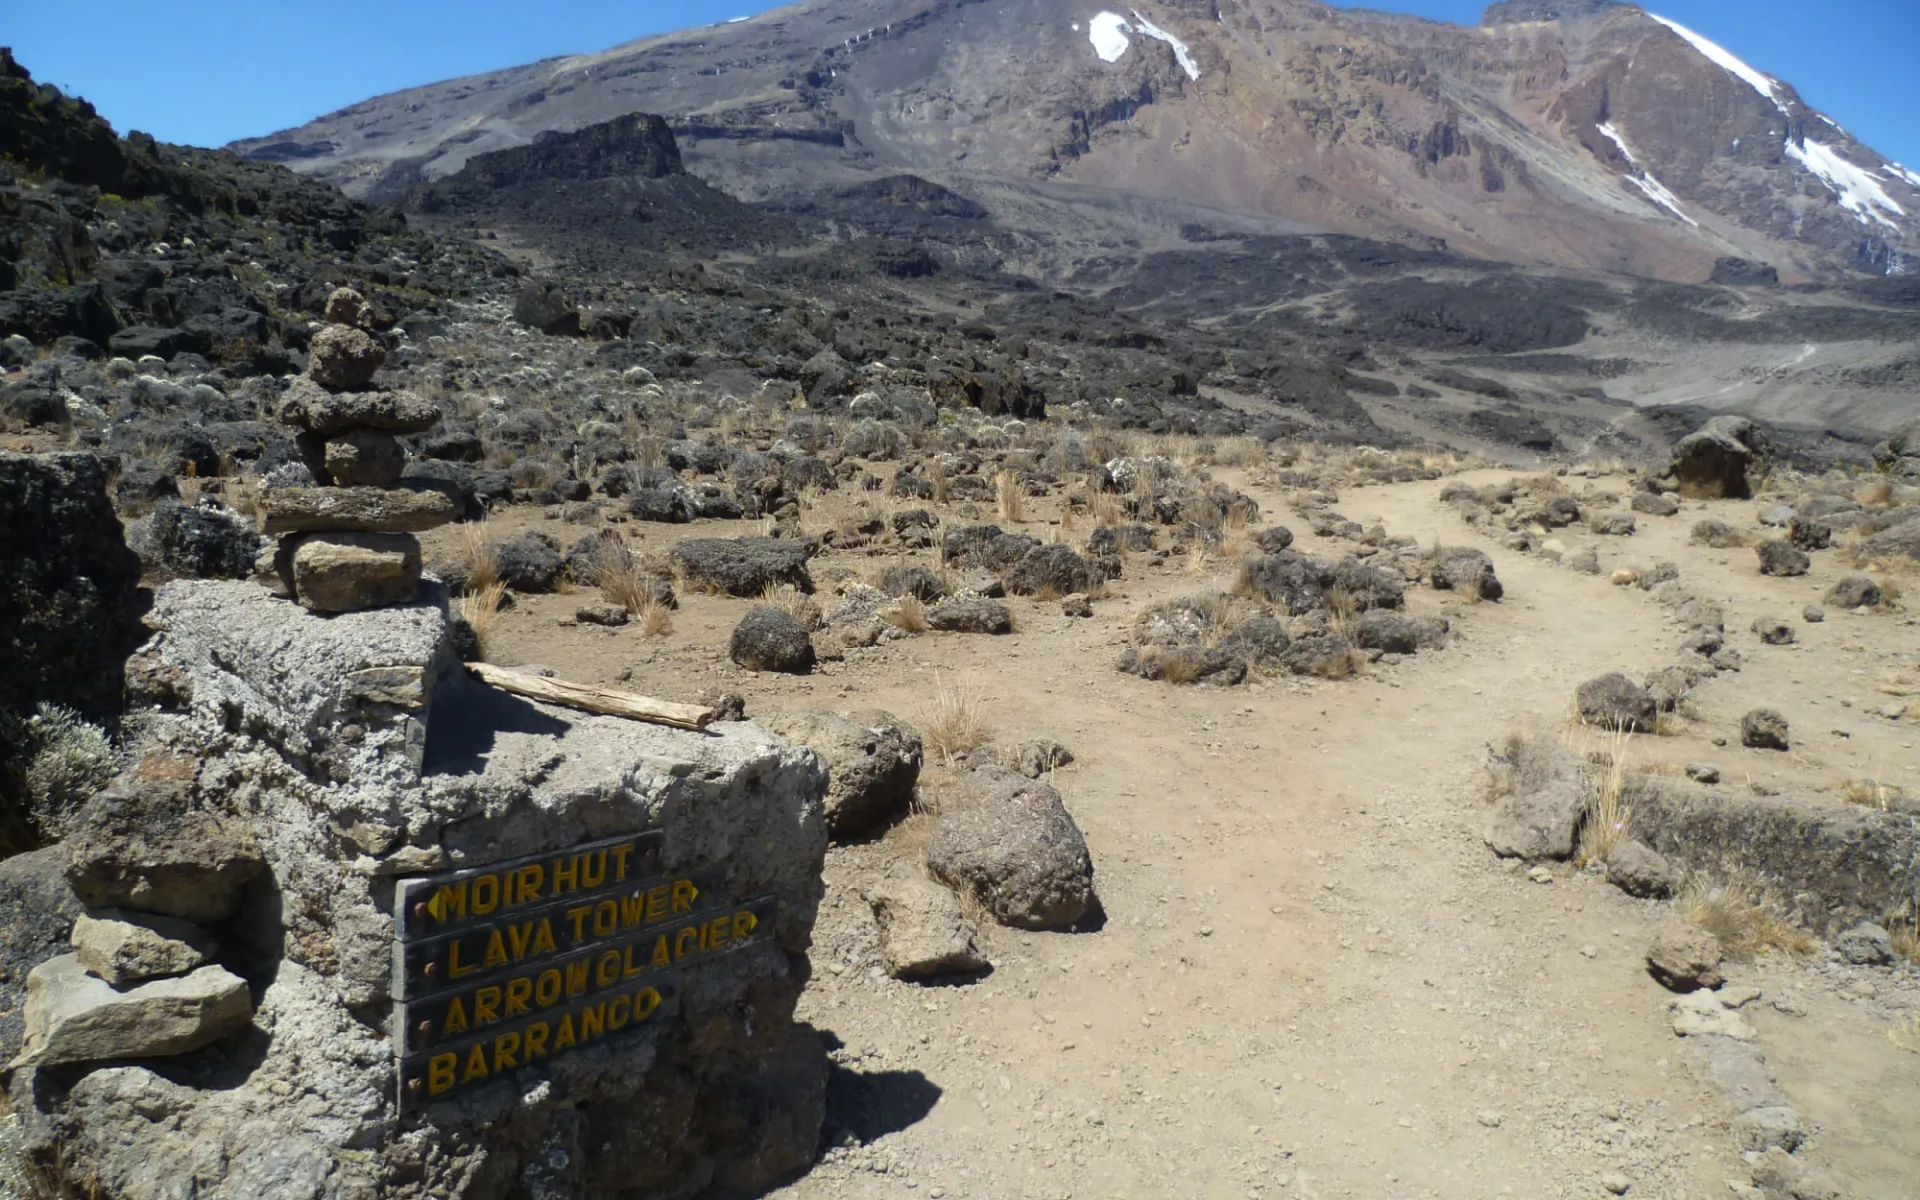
<point>1735,913</point>
<point>480,555</point>
<point>1343,610</point>
<point>1010,497</point>
<point>480,609</point>
<point>626,581</point>
<point>1877,493</point>
<point>1107,509</point>
<point>1870,793</point>
<point>795,603</point>
<point>954,723</point>
<point>656,619</point>
<point>1609,817</point>
<point>907,613</point>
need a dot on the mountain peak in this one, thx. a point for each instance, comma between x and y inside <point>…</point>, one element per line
<point>1517,12</point>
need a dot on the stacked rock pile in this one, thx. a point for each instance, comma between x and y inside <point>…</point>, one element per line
<point>348,543</point>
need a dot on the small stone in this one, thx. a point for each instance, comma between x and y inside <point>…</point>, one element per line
<point>73,1017</point>
<point>1616,1183</point>
<point>1638,870</point>
<point>1813,614</point>
<point>601,614</point>
<point>1764,729</point>
<point>1739,995</point>
<point>1703,773</point>
<point>1683,959</point>
<point>1866,945</point>
<point>923,931</point>
<point>1774,632</point>
<point>346,307</point>
<point>365,458</point>
<point>125,948</point>
<point>1076,605</point>
<point>1625,577</point>
<point>1489,1118</point>
<point>1855,592</point>
<point>1760,1129</point>
<point>1540,874</point>
<point>1782,559</point>
<point>353,572</point>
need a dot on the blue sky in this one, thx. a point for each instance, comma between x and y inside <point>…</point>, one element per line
<point>209,71</point>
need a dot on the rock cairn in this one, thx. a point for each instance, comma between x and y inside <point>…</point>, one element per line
<point>348,543</point>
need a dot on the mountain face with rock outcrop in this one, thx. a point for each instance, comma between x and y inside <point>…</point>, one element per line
<point>1561,132</point>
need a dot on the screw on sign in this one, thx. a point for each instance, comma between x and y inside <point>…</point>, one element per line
<point>501,968</point>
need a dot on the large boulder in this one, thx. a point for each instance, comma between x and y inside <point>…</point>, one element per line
<point>531,562</point>
<point>40,912</point>
<point>771,639</point>
<point>1291,580</point>
<point>1899,455</point>
<point>1893,542</point>
<point>201,541</point>
<point>70,602</point>
<point>1543,797</point>
<point>873,763</point>
<point>1725,458</point>
<point>1009,842</point>
<point>1466,571</point>
<point>744,566</point>
<point>1053,571</point>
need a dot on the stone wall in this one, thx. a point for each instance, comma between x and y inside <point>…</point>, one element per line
<point>343,755</point>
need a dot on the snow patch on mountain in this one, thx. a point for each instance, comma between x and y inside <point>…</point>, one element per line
<point>1653,188</point>
<point>1108,31</point>
<point>1726,60</point>
<point>1859,192</point>
<point>1900,172</point>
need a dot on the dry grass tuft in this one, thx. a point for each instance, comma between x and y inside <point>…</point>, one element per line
<point>480,609</point>
<point>1609,815</point>
<point>1343,609</point>
<point>1010,497</point>
<point>1107,509</point>
<point>1876,494</point>
<point>954,725</point>
<point>941,481</point>
<point>625,581</point>
<point>656,619</point>
<point>480,555</point>
<point>1734,913</point>
<point>906,613</point>
<point>1870,793</point>
<point>795,603</point>
<point>1906,1035</point>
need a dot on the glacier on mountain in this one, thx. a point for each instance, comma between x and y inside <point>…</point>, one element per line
<point>1108,32</point>
<point>1859,192</point>
<point>1653,188</point>
<point>1726,60</point>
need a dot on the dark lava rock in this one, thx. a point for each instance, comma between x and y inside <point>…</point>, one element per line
<point>912,580</point>
<point>545,307</point>
<point>205,541</point>
<point>1764,729</point>
<point>531,563</point>
<point>1781,558</point>
<point>147,847</point>
<point>1274,539</point>
<point>1468,571</point>
<point>41,910</point>
<point>1293,580</point>
<point>1855,591</point>
<point>971,616</point>
<point>1722,459</point>
<point>1386,631</point>
<point>1052,570</point>
<point>770,639</point>
<point>1370,587</point>
<point>744,566</point>
<point>70,603</point>
<point>1326,656</point>
<point>1616,702</point>
<point>1009,843</point>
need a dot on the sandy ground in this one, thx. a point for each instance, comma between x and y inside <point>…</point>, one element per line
<point>1312,979</point>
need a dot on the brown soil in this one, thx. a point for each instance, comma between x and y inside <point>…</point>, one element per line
<point>1311,978</point>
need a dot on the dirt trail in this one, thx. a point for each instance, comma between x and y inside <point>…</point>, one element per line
<point>1312,979</point>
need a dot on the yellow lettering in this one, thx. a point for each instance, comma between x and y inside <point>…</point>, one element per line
<point>519,991</point>
<point>593,1020</point>
<point>661,957</point>
<point>633,968</point>
<point>576,978</point>
<point>455,968</point>
<point>566,875</point>
<point>520,935</point>
<point>620,861</point>
<point>486,1006</point>
<point>744,923</point>
<point>686,942</point>
<point>633,910</point>
<point>485,894</point>
<point>607,968</point>
<point>593,869</point>
<point>476,1064</point>
<point>619,1012</point>
<point>528,883</point>
<point>506,1048</point>
<point>717,931</point>
<point>440,1072</point>
<point>657,903</point>
<point>543,938</point>
<point>456,1018</point>
<point>646,1002</point>
<point>546,989</point>
<point>496,955</point>
<point>563,1033</point>
<point>449,901</point>
<point>536,1045</point>
<point>579,918</point>
<point>606,918</point>
<point>684,894</point>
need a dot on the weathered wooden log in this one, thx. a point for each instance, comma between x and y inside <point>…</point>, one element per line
<point>589,698</point>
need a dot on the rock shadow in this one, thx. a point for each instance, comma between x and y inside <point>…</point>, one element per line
<point>864,1106</point>
<point>467,720</point>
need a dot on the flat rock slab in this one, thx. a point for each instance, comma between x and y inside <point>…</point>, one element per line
<point>311,408</point>
<point>74,1017</point>
<point>354,510</point>
<point>1700,1014</point>
<point>148,847</point>
<point>923,931</point>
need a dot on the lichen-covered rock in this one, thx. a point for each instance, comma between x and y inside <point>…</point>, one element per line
<point>311,408</point>
<point>1782,559</point>
<point>342,358</point>
<point>69,587</point>
<point>1855,591</point>
<point>201,541</point>
<point>744,566</point>
<point>1010,843</point>
<point>873,763</point>
<point>1052,571</point>
<point>971,616</point>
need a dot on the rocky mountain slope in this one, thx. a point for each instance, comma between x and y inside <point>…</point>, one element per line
<point>1569,132</point>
